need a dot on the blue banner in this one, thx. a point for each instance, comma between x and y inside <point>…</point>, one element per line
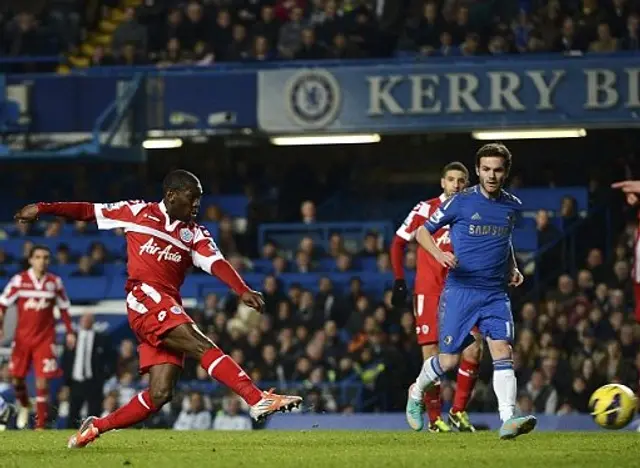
<point>383,96</point>
<point>460,95</point>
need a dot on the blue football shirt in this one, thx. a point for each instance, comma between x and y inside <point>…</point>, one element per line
<point>480,231</point>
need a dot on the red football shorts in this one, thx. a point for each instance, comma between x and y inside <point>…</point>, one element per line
<point>425,310</point>
<point>152,314</point>
<point>42,355</point>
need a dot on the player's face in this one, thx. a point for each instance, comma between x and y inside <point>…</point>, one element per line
<point>453,181</point>
<point>492,172</point>
<point>185,204</point>
<point>40,260</point>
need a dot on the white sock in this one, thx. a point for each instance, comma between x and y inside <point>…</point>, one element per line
<point>430,373</point>
<point>505,387</point>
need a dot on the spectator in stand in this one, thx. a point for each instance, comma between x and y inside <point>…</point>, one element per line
<point>160,34</point>
<point>101,57</point>
<point>290,36</point>
<point>21,36</point>
<point>568,41</point>
<point>605,42</point>
<point>221,33</point>
<point>230,418</point>
<point>310,50</point>
<point>268,26</point>
<point>308,208</point>
<point>196,28</point>
<point>284,8</point>
<point>631,36</point>
<point>595,264</point>
<point>544,396</point>
<point>427,34</point>
<point>195,417</point>
<point>85,268</point>
<point>130,32</point>
<point>129,56</point>
<point>239,48</point>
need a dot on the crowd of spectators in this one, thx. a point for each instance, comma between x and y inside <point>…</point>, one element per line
<point>169,33</point>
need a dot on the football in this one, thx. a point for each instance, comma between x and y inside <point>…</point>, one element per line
<point>613,406</point>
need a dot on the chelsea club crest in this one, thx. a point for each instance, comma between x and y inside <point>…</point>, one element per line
<point>313,98</point>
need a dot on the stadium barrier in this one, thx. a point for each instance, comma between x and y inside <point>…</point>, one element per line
<point>397,422</point>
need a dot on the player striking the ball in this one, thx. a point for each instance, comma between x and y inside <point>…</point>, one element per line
<point>163,241</point>
<point>36,293</point>
<point>430,277</point>
<point>481,221</point>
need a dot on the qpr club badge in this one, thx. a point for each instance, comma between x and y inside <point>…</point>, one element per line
<point>176,310</point>
<point>50,286</point>
<point>186,235</point>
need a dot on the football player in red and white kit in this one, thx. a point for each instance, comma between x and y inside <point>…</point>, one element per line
<point>36,293</point>
<point>429,282</point>
<point>163,241</point>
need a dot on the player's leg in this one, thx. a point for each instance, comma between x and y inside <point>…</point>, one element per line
<point>496,324</point>
<point>162,381</point>
<point>425,309</point>
<point>432,398</point>
<point>19,367</point>
<point>45,366</point>
<point>188,339</point>
<point>465,381</point>
<point>42,402</point>
<point>455,323</point>
<point>6,411</point>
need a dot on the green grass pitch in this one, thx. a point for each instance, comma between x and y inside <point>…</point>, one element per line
<point>311,448</point>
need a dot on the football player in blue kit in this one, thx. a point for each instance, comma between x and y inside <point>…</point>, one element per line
<point>481,221</point>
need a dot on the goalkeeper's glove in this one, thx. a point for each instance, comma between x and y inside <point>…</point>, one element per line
<point>399,296</point>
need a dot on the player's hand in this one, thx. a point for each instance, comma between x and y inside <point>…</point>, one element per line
<point>399,294</point>
<point>447,260</point>
<point>627,186</point>
<point>1,334</point>
<point>253,299</point>
<point>27,213</point>
<point>632,199</point>
<point>70,341</point>
<point>516,278</point>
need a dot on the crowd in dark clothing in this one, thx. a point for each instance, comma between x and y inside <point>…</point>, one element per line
<point>203,32</point>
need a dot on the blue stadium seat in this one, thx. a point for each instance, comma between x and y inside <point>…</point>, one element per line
<point>534,199</point>
<point>91,289</point>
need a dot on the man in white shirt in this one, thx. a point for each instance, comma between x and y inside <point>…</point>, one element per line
<point>196,418</point>
<point>230,418</point>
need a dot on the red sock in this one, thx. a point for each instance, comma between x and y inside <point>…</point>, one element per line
<point>42,408</point>
<point>21,394</point>
<point>138,409</point>
<point>225,370</point>
<point>466,380</point>
<point>432,402</point>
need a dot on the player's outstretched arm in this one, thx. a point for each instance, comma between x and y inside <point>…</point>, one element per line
<point>627,186</point>
<point>225,272</point>
<point>78,211</point>
<point>425,239</point>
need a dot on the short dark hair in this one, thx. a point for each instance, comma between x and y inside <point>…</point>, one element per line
<point>179,181</point>
<point>497,150</point>
<point>455,166</point>
<point>39,247</point>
